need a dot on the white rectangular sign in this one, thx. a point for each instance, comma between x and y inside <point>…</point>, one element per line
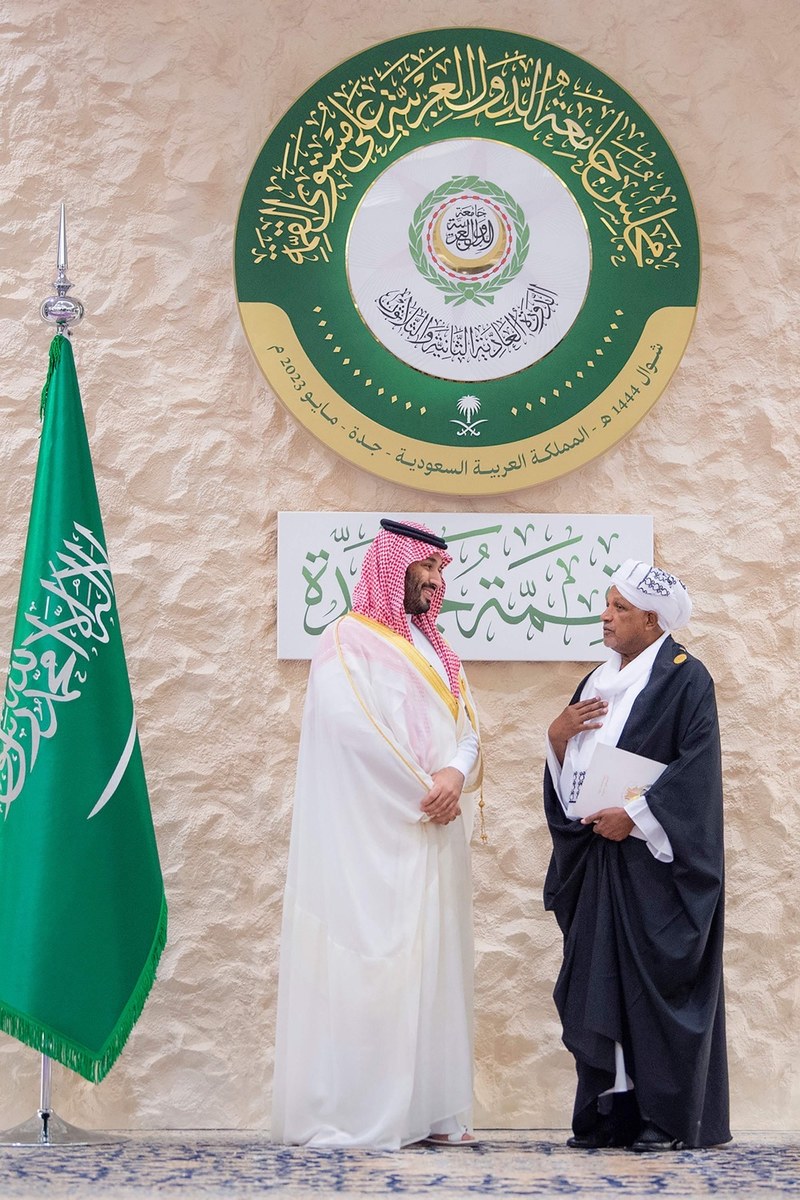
<point>524,587</point>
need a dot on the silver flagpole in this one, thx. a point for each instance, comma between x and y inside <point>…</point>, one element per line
<point>47,1128</point>
<point>62,310</point>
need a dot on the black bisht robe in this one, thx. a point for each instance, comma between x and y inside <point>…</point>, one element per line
<point>643,939</point>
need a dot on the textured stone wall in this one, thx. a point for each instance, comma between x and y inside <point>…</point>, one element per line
<point>146,118</point>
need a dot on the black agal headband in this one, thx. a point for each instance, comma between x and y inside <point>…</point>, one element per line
<point>419,535</point>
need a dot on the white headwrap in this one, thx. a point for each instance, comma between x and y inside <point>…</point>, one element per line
<point>654,590</point>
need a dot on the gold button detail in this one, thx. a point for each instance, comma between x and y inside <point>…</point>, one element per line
<point>680,658</point>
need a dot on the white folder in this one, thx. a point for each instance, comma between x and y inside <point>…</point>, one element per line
<point>612,778</point>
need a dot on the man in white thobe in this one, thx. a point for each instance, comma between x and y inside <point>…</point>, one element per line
<point>374,1031</point>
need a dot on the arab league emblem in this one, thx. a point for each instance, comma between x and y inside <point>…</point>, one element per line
<point>468,237</point>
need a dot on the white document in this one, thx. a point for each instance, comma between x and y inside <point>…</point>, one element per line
<point>613,778</point>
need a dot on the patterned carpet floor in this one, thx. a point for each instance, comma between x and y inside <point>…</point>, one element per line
<point>182,1165</point>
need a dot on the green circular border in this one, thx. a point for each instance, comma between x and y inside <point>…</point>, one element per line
<point>344,385</point>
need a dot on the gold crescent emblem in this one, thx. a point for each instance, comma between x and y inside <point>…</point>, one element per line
<point>469,239</point>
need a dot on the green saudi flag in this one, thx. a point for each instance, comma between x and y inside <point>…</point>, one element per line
<point>83,918</point>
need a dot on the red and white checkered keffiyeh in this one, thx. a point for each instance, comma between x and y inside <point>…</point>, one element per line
<point>380,592</point>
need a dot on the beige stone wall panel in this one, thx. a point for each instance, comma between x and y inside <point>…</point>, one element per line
<point>146,118</point>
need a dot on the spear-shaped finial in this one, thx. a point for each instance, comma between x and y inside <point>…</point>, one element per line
<point>62,310</point>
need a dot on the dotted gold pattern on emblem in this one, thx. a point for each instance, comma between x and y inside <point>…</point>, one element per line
<point>368,383</point>
<point>578,374</point>
<point>329,337</point>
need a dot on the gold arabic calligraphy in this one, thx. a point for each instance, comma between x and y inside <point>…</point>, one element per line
<point>365,119</point>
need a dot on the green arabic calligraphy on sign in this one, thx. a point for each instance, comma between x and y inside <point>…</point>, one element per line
<point>466,215</point>
<point>528,588</point>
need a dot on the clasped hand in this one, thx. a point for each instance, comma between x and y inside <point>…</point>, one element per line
<point>441,805</point>
<point>611,823</point>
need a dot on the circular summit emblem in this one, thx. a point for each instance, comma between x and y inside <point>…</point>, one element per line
<point>467,261</point>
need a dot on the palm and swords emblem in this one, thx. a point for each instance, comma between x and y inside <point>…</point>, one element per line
<point>469,406</point>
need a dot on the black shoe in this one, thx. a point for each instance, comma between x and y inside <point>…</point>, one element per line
<point>597,1138</point>
<point>651,1138</point>
<point>593,1140</point>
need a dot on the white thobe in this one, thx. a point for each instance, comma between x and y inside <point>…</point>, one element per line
<point>374,1031</point>
<point>468,750</point>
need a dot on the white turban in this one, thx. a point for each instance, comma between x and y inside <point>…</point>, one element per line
<point>654,590</point>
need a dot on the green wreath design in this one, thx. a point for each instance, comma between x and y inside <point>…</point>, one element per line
<point>482,292</point>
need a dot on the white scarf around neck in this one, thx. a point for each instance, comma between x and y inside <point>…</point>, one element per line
<point>620,687</point>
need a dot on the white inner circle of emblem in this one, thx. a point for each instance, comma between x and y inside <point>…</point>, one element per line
<point>468,259</point>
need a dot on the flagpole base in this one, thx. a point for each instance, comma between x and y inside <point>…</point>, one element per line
<point>48,1129</point>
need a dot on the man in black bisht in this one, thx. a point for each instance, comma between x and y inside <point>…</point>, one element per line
<point>638,890</point>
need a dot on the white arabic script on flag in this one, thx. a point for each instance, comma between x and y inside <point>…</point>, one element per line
<point>71,614</point>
